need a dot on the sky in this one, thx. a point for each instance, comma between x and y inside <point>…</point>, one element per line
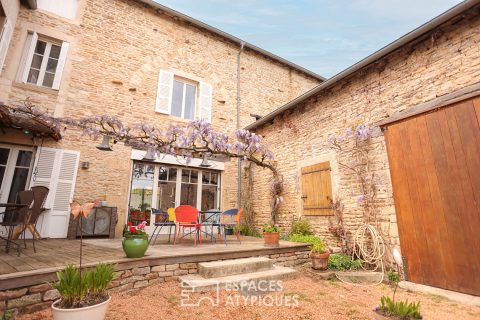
<point>323,36</point>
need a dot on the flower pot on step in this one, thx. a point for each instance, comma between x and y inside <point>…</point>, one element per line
<point>271,239</point>
<point>95,312</point>
<point>319,260</point>
<point>135,247</point>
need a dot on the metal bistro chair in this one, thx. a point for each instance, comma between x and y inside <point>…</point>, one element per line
<point>167,219</point>
<point>230,218</point>
<point>187,217</point>
<point>17,217</point>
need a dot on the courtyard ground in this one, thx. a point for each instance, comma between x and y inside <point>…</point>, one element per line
<point>317,299</point>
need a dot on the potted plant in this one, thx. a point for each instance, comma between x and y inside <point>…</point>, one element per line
<point>83,296</point>
<point>271,235</point>
<point>319,255</point>
<point>391,309</point>
<point>135,240</point>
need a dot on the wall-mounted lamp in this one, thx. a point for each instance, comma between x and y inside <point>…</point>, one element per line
<point>105,145</point>
<point>85,165</point>
<point>205,163</point>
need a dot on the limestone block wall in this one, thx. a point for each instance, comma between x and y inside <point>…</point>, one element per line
<point>117,48</point>
<point>446,61</point>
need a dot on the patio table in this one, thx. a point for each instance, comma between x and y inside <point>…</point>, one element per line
<point>206,218</point>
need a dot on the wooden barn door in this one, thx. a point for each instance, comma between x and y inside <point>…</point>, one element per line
<point>435,167</point>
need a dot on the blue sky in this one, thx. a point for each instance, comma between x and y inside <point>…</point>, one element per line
<point>323,36</point>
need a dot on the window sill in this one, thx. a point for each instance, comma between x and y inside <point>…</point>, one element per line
<point>174,118</point>
<point>35,88</point>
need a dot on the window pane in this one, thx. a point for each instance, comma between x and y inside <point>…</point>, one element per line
<point>209,197</point>
<point>37,61</point>
<point>52,65</point>
<point>40,47</point>
<point>4,155</point>
<point>166,195</point>
<point>163,174</point>
<point>214,178</point>
<point>205,177</point>
<point>172,174</point>
<point>19,182</point>
<point>188,194</point>
<point>185,175</point>
<point>33,76</point>
<point>55,51</point>
<point>24,158</point>
<point>2,174</point>
<point>48,79</point>
<point>141,193</point>
<point>194,176</point>
<point>189,102</point>
<point>177,99</point>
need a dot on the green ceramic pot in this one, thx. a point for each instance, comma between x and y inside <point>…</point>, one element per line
<point>135,247</point>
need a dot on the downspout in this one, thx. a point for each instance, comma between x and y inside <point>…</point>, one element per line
<point>239,168</point>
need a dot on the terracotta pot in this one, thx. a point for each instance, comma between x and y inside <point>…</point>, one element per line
<point>271,239</point>
<point>135,247</point>
<point>319,260</point>
<point>95,312</point>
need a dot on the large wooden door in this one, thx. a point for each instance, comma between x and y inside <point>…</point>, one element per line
<point>435,167</point>
<point>317,190</point>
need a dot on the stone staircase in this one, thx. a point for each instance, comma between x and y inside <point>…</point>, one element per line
<point>228,274</point>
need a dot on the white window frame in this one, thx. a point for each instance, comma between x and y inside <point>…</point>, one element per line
<point>184,83</point>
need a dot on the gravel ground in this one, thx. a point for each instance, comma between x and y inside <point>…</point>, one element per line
<point>317,299</point>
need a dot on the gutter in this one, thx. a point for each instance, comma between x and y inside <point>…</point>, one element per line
<point>409,37</point>
<point>230,37</point>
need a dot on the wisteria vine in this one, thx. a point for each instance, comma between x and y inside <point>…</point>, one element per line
<point>191,140</point>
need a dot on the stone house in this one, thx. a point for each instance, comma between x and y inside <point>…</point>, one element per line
<point>420,97</point>
<point>140,61</point>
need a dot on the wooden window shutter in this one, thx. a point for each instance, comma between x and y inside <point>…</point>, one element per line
<point>56,169</point>
<point>61,64</point>
<point>27,57</point>
<point>164,92</point>
<point>205,102</point>
<point>317,189</point>
<point>5,41</point>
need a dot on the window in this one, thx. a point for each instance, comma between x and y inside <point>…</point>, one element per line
<point>64,8</point>
<point>43,61</point>
<point>317,190</point>
<point>209,190</point>
<point>183,98</point>
<point>6,30</point>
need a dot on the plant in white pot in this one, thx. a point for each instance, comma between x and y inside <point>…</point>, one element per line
<point>83,293</point>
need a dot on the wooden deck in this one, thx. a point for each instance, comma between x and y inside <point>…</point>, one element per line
<point>52,254</point>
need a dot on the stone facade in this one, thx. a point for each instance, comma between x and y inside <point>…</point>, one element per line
<point>117,48</point>
<point>447,60</point>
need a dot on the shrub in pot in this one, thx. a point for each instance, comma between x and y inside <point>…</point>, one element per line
<point>271,235</point>
<point>391,309</point>
<point>135,240</point>
<point>83,295</point>
<point>319,255</point>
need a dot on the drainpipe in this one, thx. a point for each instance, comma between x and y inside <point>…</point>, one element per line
<point>239,168</point>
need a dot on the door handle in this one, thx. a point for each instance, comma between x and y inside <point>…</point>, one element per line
<point>304,197</point>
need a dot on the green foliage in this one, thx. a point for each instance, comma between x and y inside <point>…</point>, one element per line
<point>247,231</point>
<point>393,277</point>
<point>401,309</point>
<point>301,226</point>
<point>310,239</point>
<point>76,288</point>
<point>270,228</point>
<point>343,262</point>
<point>319,247</point>
<point>7,315</point>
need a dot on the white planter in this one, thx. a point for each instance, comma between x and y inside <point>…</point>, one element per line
<point>96,312</point>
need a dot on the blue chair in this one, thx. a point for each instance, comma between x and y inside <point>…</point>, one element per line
<point>230,218</point>
<point>165,220</point>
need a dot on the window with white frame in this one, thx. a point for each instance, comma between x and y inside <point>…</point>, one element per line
<point>183,98</point>
<point>43,61</point>
<point>64,8</point>
<point>6,31</point>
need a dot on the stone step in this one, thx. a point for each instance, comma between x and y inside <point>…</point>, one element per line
<point>224,268</point>
<point>197,283</point>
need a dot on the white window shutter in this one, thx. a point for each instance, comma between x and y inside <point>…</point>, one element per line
<point>61,64</point>
<point>57,170</point>
<point>5,41</point>
<point>205,102</point>
<point>164,92</point>
<point>27,57</point>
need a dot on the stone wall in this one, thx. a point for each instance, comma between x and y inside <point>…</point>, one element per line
<point>131,279</point>
<point>117,48</point>
<point>443,62</point>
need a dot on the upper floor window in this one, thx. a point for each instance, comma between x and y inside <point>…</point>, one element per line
<point>43,61</point>
<point>183,98</point>
<point>64,8</point>
<point>6,30</point>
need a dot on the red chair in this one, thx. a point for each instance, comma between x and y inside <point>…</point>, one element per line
<point>187,217</point>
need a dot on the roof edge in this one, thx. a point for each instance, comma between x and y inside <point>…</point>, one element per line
<point>377,55</point>
<point>230,37</point>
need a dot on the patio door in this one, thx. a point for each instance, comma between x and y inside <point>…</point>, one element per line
<point>15,171</point>
<point>165,186</point>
